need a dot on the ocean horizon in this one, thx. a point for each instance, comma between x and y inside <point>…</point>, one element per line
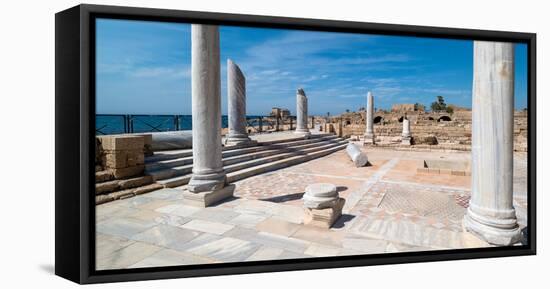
<point>115,124</point>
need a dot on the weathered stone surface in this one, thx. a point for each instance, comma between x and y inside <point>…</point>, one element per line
<point>122,142</point>
<point>207,198</point>
<point>128,172</point>
<point>325,217</point>
<point>320,195</point>
<point>103,176</point>
<point>301,113</point>
<point>101,188</point>
<point>369,132</point>
<point>406,134</point>
<point>208,174</point>
<point>236,105</point>
<point>491,214</point>
<point>135,182</point>
<point>358,157</point>
<point>123,158</point>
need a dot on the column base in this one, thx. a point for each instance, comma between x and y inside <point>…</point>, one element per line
<point>496,231</point>
<point>304,132</point>
<point>369,139</point>
<point>206,182</point>
<point>205,199</point>
<point>324,218</point>
<point>406,141</point>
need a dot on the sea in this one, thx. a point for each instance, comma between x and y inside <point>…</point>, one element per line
<point>116,124</point>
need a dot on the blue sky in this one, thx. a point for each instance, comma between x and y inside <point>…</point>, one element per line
<point>144,68</point>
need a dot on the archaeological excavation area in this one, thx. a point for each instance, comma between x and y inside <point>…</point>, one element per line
<point>365,182</point>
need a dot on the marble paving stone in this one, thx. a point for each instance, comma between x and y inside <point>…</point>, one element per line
<point>202,239</point>
<point>226,249</point>
<point>349,252</point>
<point>126,256</point>
<point>293,214</point>
<point>320,236</point>
<point>107,244</point>
<point>293,255</point>
<point>168,208</point>
<point>277,227</point>
<point>167,194</point>
<point>168,257</point>
<point>215,214</point>
<point>207,226</point>
<point>137,201</point>
<point>185,211</point>
<point>316,250</point>
<point>153,205</point>
<point>145,215</point>
<point>270,240</point>
<point>124,227</point>
<point>398,247</point>
<point>265,253</point>
<point>365,245</point>
<point>408,232</point>
<point>255,207</point>
<point>246,220</point>
<point>172,220</point>
<point>112,210</point>
<point>164,235</point>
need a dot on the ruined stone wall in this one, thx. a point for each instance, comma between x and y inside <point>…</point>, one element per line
<point>426,129</point>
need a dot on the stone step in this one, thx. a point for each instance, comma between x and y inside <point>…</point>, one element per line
<point>123,184</point>
<point>239,154</point>
<point>244,161</point>
<point>176,154</point>
<point>263,164</point>
<point>263,168</point>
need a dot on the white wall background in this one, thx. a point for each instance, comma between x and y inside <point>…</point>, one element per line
<point>27,143</point>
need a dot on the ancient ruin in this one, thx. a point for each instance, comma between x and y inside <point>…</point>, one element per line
<point>307,188</point>
<point>491,214</point>
<point>369,137</point>
<point>236,102</point>
<point>208,182</point>
<point>301,113</point>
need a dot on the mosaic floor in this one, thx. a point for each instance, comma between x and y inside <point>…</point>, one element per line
<point>390,207</point>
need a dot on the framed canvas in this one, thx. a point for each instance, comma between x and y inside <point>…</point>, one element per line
<point>196,144</point>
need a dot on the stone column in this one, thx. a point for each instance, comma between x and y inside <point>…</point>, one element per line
<point>301,113</point>
<point>406,134</point>
<point>369,131</point>
<point>208,182</point>
<point>236,106</point>
<point>491,214</point>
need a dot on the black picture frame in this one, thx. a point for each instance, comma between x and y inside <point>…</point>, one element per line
<point>75,127</point>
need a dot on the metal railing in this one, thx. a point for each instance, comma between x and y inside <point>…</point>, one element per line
<point>138,123</point>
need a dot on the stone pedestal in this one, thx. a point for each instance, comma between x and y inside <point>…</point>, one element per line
<point>369,138</point>
<point>491,215</point>
<point>208,179</point>
<point>322,205</point>
<point>236,106</point>
<point>406,134</point>
<point>301,113</point>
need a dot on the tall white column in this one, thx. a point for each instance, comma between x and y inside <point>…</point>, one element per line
<point>491,214</point>
<point>301,113</point>
<point>406,133</point>
<point>208,174</point>
<point>236,105</point>
<point>369,137</point>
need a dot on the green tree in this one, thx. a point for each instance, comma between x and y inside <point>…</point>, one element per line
<point>439,104</point>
